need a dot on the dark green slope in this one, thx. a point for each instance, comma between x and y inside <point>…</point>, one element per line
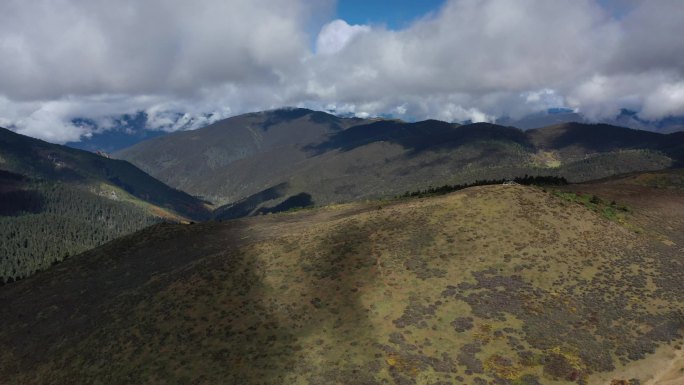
<point>254,162</point>
<point>576,140</point>
<point>38,159</point>
<point>420,136</point>
<point>56,202</point>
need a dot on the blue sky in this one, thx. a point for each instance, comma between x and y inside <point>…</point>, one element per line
<point>393,14</point>
<point>399,14</point>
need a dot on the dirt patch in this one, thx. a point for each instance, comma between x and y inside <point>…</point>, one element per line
<point>664,367</point>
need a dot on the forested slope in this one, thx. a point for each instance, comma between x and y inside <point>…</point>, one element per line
<point>56,202</point>
<point>42,223</point>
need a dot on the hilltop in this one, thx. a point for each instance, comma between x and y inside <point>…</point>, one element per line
<point>510,284</point>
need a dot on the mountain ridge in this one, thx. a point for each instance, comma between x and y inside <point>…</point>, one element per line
<point>336,159</point>
<point>125,130</point>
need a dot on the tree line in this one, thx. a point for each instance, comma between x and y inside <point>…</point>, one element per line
<point>539,180</point>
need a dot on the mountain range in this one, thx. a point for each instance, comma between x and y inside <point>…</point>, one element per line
<point>257,162</point>
<point>279,160</point>
<point>126,130</point>
<point>626,118</point>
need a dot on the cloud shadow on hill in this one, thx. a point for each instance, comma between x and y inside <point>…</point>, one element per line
<point>428,135</point>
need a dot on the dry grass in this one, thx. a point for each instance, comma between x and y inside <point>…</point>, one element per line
<point>508,284</point>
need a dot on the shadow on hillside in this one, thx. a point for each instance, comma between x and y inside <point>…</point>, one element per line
<point>286,115</point>
<point>675,148</point>
<point>247,206</point>
<point>336,269</point>
<point>17,202</point>
<point>55,310</point>
<point>418,137</point>
<point>604,138</point>
<point>298,201</point>
<point>253,205</point>
<point>188,304</point>
<point>593,138</point>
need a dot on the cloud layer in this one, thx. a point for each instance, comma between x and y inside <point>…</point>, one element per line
<point>473,59</point>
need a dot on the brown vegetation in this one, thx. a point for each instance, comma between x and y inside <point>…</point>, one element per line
<point>489,285</point>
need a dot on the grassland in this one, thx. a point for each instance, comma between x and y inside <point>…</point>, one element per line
<point>489,285</point>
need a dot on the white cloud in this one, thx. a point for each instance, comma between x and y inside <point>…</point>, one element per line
<point>667,99</point>
<point>50,122</point>
<point>335,35</point>
<point>209,59</point>
<point>52,48</point>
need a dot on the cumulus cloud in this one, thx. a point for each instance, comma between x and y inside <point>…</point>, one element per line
<point>470,51</point>
<point>64,59</point>
<point>485,58</point>
<point>83,47</point>
<point>335,35</point>
<point>189,63</point>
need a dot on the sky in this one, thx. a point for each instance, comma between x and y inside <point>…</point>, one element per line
<point>187,64</point>
<point>394,15</point>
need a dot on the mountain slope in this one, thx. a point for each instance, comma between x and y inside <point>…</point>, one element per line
<point>58,201</point>
<point>241,160</point>
<point>305,150</point>
<point>509,284</point>
<point>39,159</point>
<point>207,161</point>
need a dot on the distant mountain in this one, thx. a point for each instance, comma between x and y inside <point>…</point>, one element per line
<point>128,129</point>
<point>125,131</point>
<point>632,119</point>
<point>625,118</point>
<point>502,284</point>
<point>543,119</point>
<point>255,162</point>
<point>57,201</point>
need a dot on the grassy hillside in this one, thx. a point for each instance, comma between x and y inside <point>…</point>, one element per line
<point>57,201</point>
<point>241,160</point>
<point>488,285</point>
